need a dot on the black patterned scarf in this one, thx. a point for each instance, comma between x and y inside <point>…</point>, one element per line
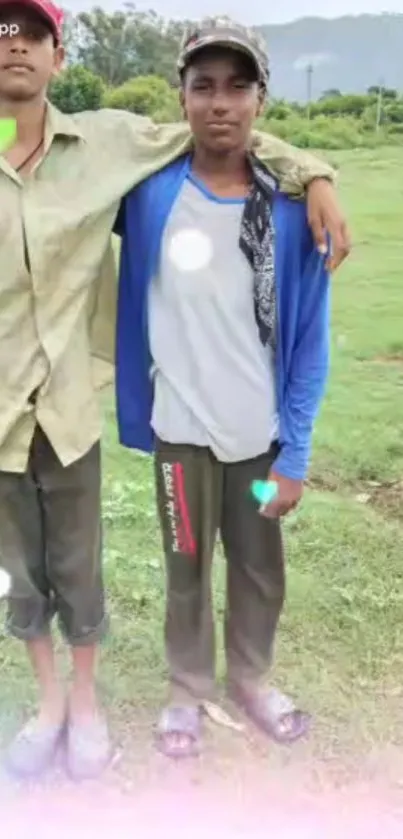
<point>258,245</point>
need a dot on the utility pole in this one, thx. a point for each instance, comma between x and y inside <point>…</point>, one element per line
<point>379,103</point>
<point>309,78</point>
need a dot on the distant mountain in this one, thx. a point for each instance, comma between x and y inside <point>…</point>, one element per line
<point>348,53</point>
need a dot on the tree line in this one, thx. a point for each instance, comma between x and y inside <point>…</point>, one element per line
<point>127,60</point>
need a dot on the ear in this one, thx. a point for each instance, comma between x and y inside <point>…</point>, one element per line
<point>59,57</point>
<point>182,102</point>
<point>262,102</point>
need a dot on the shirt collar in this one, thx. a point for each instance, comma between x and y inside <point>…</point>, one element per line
<point>58,124</point>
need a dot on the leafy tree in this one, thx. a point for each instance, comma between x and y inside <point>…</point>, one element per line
<point>157,45</point>
<point>332,93</point>
<point>70,38</point>
<point>129,43</point>
<point>77,89</point>
<point>387,92</point>
<point>107,45</point>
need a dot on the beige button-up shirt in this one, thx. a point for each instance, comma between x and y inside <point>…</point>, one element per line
<point>58,277</point>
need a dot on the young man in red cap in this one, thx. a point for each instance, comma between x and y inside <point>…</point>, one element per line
<point>60,187</point>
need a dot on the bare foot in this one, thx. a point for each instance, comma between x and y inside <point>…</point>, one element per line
<point>83,704</point>
<point>52,708</point>
<point>88,743</point>
<point>33,749</point>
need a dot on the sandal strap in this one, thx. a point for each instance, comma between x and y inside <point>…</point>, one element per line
<point>180,720</point>
<point>276,705</point>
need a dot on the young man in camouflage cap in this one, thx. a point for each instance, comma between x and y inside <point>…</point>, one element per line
<point>222,358</point>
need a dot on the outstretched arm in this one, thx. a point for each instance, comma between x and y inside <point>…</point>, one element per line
<point>140,148</point>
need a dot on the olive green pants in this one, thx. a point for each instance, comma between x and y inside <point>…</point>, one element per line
<point>50,544</point>
<point>198,496</point>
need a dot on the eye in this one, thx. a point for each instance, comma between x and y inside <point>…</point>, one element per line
<point>201,85</point>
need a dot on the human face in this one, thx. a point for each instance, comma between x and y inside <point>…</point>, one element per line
<point>221,99</point>
<point>28,55</point>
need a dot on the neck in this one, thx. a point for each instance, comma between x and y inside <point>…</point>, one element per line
<point>226,166</point>
<point>30,117</point>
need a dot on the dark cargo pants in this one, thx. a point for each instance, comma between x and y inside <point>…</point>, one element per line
<point>197,496</point>
<point>50,544</point>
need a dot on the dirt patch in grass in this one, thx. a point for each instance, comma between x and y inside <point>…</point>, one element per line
<point>319,483</point>
<point>390,358</point>
<point>389,499</point>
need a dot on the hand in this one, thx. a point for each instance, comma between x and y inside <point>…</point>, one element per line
<point>325,216</point>
<point>289,495</point>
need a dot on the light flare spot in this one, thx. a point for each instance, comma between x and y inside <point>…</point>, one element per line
<point>190,250</point>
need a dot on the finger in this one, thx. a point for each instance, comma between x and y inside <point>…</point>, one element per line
<point>318,233</point>
<point>270,511</point>
<point>341,246</point>
<point>277,510</point>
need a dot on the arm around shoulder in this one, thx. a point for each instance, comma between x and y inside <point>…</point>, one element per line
<point>137,139</point>
<point>294,168</point>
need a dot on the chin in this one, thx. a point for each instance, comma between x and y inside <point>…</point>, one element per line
<point>18,92</point>
<point>222,145</point>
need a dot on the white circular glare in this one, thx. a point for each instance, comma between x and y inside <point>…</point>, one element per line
<point>190,249</point>
<point>5,583</point>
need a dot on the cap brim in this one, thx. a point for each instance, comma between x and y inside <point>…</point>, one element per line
<point>233,44</point>
<point>37,7</point>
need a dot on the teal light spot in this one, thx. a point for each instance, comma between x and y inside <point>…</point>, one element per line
<point>264,491</point>
<point>8,133</point>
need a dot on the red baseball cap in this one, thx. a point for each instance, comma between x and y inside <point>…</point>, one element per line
<point>45,9</point>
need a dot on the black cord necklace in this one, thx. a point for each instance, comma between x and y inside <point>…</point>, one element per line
<point>30,156</point>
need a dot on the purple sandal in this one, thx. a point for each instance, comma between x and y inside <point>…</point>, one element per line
<point>33,750</point>
<point>179,732</point>
<point>273,713</point>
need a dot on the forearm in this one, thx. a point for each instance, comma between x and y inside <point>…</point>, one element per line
<point>297,417</point>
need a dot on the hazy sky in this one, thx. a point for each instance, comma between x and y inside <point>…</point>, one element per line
<point>259,11</point>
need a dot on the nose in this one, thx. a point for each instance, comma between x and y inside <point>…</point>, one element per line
<point>18,46</point>
<point>220,103</point>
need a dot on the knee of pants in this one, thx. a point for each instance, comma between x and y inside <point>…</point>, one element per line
<point>80,609</point>
<point>29,616</point>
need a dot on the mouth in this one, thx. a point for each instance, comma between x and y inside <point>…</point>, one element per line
<point>19,68</point>
<point>221,126</point>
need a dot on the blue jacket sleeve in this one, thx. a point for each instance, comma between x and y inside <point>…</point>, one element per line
<point>308,370</point>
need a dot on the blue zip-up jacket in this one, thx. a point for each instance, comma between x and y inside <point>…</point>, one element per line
<point>302,283</point>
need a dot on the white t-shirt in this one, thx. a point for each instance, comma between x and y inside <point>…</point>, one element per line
<point>214,380</point>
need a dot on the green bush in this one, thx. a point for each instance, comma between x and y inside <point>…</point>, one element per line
<point>76,89</point>
<point>396,129</point>
<point>328,133</point>
<point>348,105</point>
<point>145,95</point>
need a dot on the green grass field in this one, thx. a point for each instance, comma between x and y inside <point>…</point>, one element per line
<point>340,648</point>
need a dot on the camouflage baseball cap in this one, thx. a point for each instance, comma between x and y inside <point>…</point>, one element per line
<point>224,32</point>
